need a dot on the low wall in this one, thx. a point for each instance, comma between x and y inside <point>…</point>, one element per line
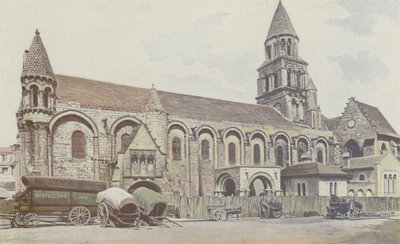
<point>294,206</point>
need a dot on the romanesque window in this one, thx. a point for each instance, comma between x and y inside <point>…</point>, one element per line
<point>289,46</point>
<point>303,188</point>
<point>205,150</point>
<point>333,188</point>
<point>283,44</point>
<point>390,184</point>
<point>383,148</point>
<point>385,183</point>
<point>78,145</point>
<point>46,95</point>
<point>256,156</point>
<point>35,95</point>
<point>125,140</point>
<point>276,80</point>
<point>298,75</point>
<point>176,148</point>
<point>289,78</point>
<point>361,178</point>
<point>279,155</point>
<point>269,52</point>
<point>267,85</point>
<point>394,184</point>
<point>232,153</point>
<point>298,189</point>
<point>320,156</point>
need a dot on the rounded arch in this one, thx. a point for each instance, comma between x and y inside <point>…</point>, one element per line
<point>321,148</point>
<point>302,137</point>
<point>351,193</point>
<point>123,119</point>
<point>265,177</point>
<point>360,193</point>
<point>76,114</point>
<point>144,183</point>
<point>282,134</point>
<point>353,148</point>
<point>206,129</point>
<point>184,128</point>
<point>224,184</point>
<point>258,132</point>
<point>237,130</point>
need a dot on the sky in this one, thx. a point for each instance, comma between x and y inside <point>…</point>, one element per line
<point>209,48</point>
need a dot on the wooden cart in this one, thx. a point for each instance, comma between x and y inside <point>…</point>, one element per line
<point>221,212</point>
<point>57,199</point>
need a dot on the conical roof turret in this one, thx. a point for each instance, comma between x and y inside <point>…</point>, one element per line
<point>36,61</point>
<point>281,23</point>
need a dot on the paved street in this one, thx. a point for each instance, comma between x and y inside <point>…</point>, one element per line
<point>250,230</point>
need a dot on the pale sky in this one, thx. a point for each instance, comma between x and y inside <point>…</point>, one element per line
<point>209,48</point>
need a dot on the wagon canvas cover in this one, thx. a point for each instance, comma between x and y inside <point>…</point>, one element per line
<point>150,201</point>
<point>115,197</point>
<point>63,184</point>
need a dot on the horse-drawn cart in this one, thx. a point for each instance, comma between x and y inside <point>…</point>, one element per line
<point>117,208</point>
<point>269,205</point>
<point>221,212</point>
<point>59,199</point>
<point>343,207</point>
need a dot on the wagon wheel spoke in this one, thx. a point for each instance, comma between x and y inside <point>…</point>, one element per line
<point>31,220</point>
<point>79,216</point>
<point>102,215</point>
<point>19,219</point>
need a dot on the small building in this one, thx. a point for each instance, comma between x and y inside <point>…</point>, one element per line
<point>7,166</point>
<point>374,175</point>
<point>313,179</point>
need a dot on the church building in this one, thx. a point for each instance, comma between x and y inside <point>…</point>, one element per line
<point>191,145</point>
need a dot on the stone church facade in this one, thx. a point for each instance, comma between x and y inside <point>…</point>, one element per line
<point>176,143</point>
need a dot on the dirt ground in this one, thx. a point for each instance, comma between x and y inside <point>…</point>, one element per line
<point>248,230</point>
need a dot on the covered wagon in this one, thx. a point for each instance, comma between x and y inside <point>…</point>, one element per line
<point>117,208</point>
<point>152,205</point>
<point>66,199</point>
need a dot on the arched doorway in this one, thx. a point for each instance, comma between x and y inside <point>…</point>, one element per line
<point>144,183</point>
<point>259,184</point>
<point>229,187</point>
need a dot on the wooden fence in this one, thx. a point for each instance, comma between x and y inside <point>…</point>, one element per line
<point>6,207</point>
<point>294,206</point>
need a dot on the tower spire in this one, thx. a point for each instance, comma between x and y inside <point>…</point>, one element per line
<point>281,23</point>
<point>36,61</point>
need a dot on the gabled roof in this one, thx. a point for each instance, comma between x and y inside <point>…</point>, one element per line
<point>366,162</point>
<point>377,119</point>
<point>281,23</point>
<point>312,169</point>
<point>36,61</point>
<point>102,95</point>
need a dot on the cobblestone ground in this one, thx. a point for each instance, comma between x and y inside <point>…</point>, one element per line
<point>250,230</point>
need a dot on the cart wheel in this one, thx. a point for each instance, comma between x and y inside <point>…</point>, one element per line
<point>31,220</point>
<point>79,216</point>
<point>276,214</point>
<point>19,219</point>
<point>219,214</point>
<point>102,215</point>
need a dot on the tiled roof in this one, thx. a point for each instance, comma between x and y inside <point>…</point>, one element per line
<point>96,94</point>
<point>281,23</point>
<point>312,169</point>
<point>36,61</point>
<point>365,162</point>
<point>376,118</point>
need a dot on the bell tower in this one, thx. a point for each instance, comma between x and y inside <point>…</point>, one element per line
<point>283,81</point>
<point>37,105</point>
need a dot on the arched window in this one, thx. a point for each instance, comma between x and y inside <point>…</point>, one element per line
<point>361,178</point>
<point>283,44</point>
<point>269,52</point>
<point>298,75</point>
<point>303,188</point>
<point>267,85</point>
<point>205,150</point>
<point>352,147</point>
<point>390,184</point>
<point>335,188</point>
<point>299,153</point>
<point>383,148</point>
<point>279,155</point>
<point>394,184</point>
<point>276,80</point>
<point>289,47</point>
<point>385,183</point>
<point>46,95</point>
<point>176,148</point>
<point>289,78</point>
<point>298,189</point>
<point>232,153</point>
<point>320,157</point>
<point>35,95</point>
<point>78,145</point>
<point>125,141</point>
<point>331,189</point>
<point>256,154</point>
